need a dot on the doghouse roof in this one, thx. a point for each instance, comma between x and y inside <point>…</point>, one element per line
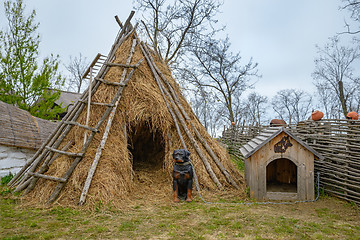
<point>266,136</point>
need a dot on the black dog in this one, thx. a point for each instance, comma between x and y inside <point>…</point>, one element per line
<point>182,175</point>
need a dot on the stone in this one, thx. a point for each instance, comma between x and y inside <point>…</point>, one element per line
<point>3,148</point>
<point>17,155</point>
<point>3,155</point>
<point>10,163</point>
<point>6,172</point>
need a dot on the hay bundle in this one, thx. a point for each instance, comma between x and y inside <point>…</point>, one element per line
<point>137,159</point>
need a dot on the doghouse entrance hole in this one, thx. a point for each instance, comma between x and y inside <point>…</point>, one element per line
<point>147,148</point>
<point>281,176</point>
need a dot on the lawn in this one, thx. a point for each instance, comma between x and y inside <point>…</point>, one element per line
<point>328,218</point>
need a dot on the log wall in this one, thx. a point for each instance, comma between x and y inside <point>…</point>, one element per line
<point>338,140</point>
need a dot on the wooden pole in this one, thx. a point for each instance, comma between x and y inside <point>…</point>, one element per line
<point>89,103</point>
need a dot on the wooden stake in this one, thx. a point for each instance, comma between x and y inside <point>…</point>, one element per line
<point>89,104</point>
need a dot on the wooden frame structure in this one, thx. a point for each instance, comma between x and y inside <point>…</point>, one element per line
<point>131,66</point>
<point>279,166</point>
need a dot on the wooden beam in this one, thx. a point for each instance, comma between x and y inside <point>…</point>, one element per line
<point>110,83</point>
<point>65,153</point>
<point>38,175</point>
<point>119,65</point>
<point>82,126</point>
<point>118,21</point>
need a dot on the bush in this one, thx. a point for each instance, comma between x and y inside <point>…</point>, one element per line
<point>6,179</point>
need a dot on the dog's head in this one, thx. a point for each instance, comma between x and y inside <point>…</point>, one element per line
<point>181,155</point>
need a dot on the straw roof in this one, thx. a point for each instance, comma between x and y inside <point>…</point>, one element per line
<point>20,129</point>
<point>136,161</point>
<point>67,99</point>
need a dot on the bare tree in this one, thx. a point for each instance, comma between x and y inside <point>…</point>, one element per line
<point>76,67</point>
<point>205,107</point>
<point>255,108</point>
<point>333,69</point>
<point>328,102</point>
<point>354,7</point>
<point>292,105</point>
<point>171,26</point>
<point>216,69</point>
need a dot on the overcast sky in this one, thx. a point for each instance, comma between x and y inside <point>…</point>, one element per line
<point>279,34</point>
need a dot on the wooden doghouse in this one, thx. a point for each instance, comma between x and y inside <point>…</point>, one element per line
<point>279,166</point>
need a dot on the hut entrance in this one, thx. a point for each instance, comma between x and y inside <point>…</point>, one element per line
<point>281,176</point>
<point>147,148</point>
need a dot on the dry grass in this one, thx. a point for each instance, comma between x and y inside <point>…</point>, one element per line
<point>153,218</point>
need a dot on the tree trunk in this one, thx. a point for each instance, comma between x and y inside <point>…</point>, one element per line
<point>342,98</point>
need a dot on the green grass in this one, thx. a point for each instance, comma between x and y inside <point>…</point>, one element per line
<point>329,218</point>
<point>239,162</point>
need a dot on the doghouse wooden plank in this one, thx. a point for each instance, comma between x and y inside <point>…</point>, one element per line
<point>248,148</point>
<point>295,164</point>
<point>253,144</point>
<point>261,138</point>
<point>257,141</point>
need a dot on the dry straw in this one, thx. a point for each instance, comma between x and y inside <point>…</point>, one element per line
<point>142,129</point>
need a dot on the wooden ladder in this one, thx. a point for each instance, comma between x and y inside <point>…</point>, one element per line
<point>79,155</point>
<point>50,147</point>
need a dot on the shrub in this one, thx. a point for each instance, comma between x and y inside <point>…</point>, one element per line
<point>6,179</point>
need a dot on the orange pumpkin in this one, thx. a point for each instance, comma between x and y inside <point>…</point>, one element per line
<point>352,115</point>
<point>317,115</point>
<point>277,122</point>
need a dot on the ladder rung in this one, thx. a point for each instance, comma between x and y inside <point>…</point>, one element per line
<point>47,177</point>
<point>110,83</point>
<point>83,126</point>
<point>65,153</point>
<point>98,103</point>
<point>119,65</point>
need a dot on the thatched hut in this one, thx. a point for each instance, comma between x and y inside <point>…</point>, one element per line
<point>150,120</point>
<point>20,136</point>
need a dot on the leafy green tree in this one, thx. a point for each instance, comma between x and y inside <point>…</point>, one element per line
<point>24,81</point>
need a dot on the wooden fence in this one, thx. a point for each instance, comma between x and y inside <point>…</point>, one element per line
<point>338,140</point>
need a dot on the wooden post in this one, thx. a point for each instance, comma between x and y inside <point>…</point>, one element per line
<point>89,104</point>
